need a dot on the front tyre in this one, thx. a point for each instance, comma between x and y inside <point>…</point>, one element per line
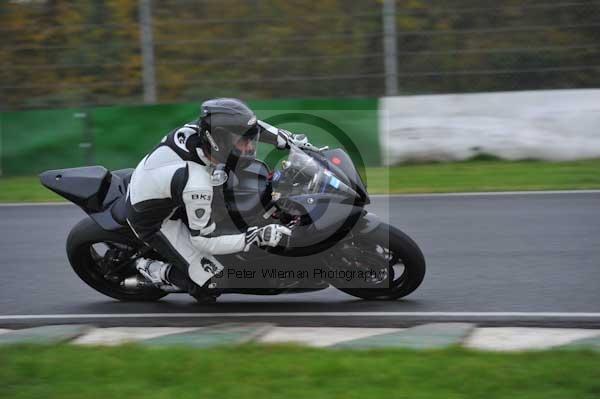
<point>397,255</point>
<point>89,250</point>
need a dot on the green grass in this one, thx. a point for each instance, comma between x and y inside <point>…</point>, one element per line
<point>293,372</point>
<point>473,176</point>
<point>25,189</point>
<point>479,175</point>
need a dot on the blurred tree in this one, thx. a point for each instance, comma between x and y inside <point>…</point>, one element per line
<point>68,53</point>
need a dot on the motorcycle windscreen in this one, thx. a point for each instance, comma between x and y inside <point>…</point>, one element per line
<point>301,173</point>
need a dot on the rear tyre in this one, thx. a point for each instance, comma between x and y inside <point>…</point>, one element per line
<point>401,256</point>
<point>86,260</point>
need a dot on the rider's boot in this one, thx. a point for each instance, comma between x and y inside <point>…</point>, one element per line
<point>201,294</point>
<point>157,273</point>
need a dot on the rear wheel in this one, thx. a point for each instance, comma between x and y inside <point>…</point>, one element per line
<point>397,260</point>
<point>103,259</point>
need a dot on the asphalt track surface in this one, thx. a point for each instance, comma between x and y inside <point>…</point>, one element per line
<point>513,259</point>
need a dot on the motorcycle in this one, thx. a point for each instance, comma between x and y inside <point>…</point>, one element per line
<point>316,192</point>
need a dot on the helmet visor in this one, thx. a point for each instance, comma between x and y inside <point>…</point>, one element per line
<point>246,145</point>
<point>234,144</point>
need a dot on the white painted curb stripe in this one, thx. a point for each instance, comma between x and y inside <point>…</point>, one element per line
<point>487,338</point>
<point>320,336</point>
<point>121,335</point>
<point>525,338</point>
<point>474,315</point>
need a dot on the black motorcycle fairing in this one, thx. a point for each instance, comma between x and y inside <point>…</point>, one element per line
<point>368,223</point>
<point>260,260</point>
<point>94,189</point>
<point>114,205</point>
<point>317,254</point>
<point>124,174</point>
<point>334,226</point>
<point>339,161</point>
<point>312,207</point>
<point>118,187</point>
<point>85,187</point>
<point>247,193</point>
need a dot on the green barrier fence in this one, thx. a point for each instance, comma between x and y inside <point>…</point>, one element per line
<point>118,137</point>
<point>32,141</point>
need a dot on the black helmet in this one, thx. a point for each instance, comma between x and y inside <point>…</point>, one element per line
<point>228,131</point>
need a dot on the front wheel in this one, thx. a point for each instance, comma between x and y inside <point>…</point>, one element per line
<point>397,258</point>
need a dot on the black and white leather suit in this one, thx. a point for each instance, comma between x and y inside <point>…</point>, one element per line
<point>170,204</point>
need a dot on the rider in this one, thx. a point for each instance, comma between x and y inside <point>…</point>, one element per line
<point>171,191</point>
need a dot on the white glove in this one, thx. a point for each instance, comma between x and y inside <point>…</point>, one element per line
<point>268,236</point>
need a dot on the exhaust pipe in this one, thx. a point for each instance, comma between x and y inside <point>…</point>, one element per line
<point>135,283</point>
<point>139,282</point>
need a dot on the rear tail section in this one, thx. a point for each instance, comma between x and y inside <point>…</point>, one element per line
<point>86,187</point>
